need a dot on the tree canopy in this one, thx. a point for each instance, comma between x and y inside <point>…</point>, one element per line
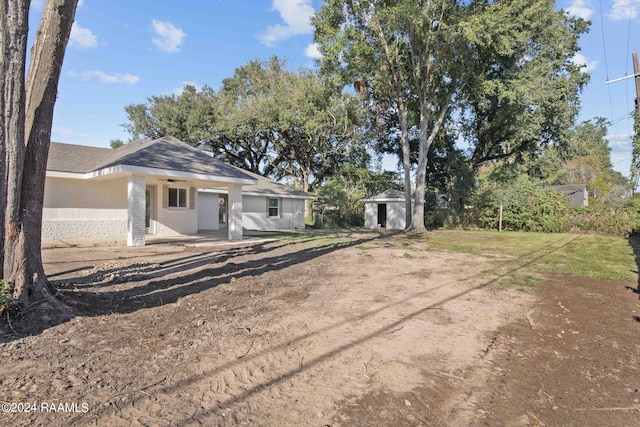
<point>499,73</point>
<point>265,119</point>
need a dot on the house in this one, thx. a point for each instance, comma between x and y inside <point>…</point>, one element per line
<point>147,187</point>
<point>267,205</point>
<point>385,210</point>
<point>576,193</point>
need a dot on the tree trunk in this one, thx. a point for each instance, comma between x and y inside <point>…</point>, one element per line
<point>425,140</point>
<point>14,21</point>
<point>406,161</point>
<point>23,260</point>
<point>3,162</point>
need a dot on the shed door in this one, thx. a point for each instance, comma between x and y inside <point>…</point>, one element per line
<point>382,215</point>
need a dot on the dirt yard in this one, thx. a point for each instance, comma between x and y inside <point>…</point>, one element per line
<point>358,329</point>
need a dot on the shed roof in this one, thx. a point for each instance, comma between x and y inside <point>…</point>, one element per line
<point>386,196</point>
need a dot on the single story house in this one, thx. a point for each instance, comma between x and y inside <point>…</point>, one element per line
<point>148,187</point>
<point>385,210</point>
<point>267,205</point>
<point>576,193</point>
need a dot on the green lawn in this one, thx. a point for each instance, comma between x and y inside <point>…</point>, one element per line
<point>520,256</point>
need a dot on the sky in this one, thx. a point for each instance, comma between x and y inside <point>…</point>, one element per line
<point>122,53</point>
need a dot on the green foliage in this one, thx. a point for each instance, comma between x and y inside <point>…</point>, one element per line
<point>619,220</point>
<point>523,93</point>
<point>265,119</point>
<point>7,303</point>
<point>525,207</point>
<point>339,199</point>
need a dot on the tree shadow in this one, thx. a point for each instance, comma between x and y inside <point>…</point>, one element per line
<point>166,282</point>
<point>334,349</point>
<point>634,243</point>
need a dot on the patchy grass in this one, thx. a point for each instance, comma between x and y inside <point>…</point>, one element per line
<point>592,256</point>
<point>520,256</point>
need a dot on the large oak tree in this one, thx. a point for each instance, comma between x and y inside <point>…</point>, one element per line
<point>25,129</point>
<point>497,71</point>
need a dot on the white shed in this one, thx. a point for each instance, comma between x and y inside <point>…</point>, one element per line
<point>385,210</point>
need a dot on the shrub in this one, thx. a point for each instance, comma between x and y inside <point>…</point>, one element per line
<point>7,303</point>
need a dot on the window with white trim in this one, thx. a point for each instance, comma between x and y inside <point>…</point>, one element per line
<point>273,207</point>
<point>178,198</point>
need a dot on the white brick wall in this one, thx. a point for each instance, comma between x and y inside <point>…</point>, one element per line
<point>54,229</point>
<point>136,211</point>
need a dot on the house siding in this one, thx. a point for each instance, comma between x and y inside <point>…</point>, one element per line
<point>256,217</point>
<point>176,221</point>
<point>79,209</point>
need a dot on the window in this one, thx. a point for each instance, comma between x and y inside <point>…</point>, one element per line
<point>177,197</point>
<point>273,207</point>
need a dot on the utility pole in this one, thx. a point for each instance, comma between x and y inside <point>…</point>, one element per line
<point>636,125</point>
<point>635,160</point>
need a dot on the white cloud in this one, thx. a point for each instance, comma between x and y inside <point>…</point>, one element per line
<point>177,91</point>
<point>624,9</point>
<point>586,66</point>
<point>313,51</point>
<point>296,15</point>
<point>168,36</point>
<point>82,37</point>
<point>107,78</point>
<point>581,9</point>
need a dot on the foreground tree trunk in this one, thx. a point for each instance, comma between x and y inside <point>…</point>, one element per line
<point>14,18</point>
<point>27,150</point>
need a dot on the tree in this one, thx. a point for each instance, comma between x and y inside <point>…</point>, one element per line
<point>523,92</point>
<point>498,70</point>
<point>265,119</point>
<point>26,130</point>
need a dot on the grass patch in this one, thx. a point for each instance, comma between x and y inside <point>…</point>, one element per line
<point>523,255</point>
<point>592,256</point>
<point>522,282</point>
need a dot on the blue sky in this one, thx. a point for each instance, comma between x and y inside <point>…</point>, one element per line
<point>124,52</point>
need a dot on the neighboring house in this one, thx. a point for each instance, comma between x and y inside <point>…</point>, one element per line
<point>576,193</point>
<point>267,205</point>
<point>385,210</point>
<point>144,187</point>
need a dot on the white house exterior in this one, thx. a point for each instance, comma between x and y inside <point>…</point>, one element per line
<point>144,187</point>
<point>385,210</point>
<point>267,205</point>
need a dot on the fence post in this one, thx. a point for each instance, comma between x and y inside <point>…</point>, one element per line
<point>500,222</point>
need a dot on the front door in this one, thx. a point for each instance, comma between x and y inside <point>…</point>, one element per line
<point>382,215</point>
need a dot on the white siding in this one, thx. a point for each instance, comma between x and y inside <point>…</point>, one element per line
<point>78,209</point>
<point>208,209</point>
<point>371,215</point>
<point>176,221</point>
<point>256,214</point>
<point>395,215</point>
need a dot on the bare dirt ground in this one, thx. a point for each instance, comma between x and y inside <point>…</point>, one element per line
<point>365,329</point>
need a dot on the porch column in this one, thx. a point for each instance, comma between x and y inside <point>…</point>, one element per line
<point>235,212</point>
<point>136,211</point>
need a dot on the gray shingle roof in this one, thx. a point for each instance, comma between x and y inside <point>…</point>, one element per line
<point>268,187</point>
<point>166,153</point>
